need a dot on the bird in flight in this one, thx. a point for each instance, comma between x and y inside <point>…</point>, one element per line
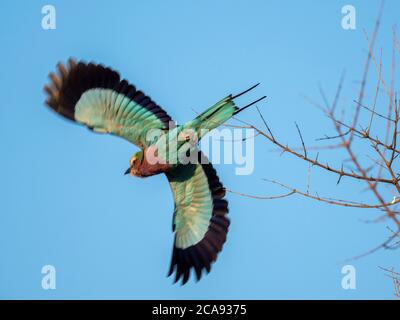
<point>96,96</point>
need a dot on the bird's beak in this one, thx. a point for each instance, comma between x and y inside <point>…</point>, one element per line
<point>128,171</point>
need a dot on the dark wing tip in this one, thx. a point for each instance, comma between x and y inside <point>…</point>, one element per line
<point>70,81</point>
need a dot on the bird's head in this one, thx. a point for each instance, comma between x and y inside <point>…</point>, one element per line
<point>134,163</point>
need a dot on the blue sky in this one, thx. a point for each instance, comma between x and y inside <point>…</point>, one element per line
<point>65,202</point>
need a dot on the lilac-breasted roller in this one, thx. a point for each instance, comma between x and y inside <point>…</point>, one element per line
<point>97,97</point>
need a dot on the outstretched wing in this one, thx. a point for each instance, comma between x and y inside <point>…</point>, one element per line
<point>200,223</point>
<point>94,95</point>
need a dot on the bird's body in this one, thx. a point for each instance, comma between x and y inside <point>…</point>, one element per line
<point>95,96</point>
<point>145,164</point>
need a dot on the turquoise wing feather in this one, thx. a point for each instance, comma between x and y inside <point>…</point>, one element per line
<point>95,96</point>
<point>179,141</point>
<point>200,223</point>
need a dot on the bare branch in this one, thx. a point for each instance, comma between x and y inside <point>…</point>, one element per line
<point>302,141</point>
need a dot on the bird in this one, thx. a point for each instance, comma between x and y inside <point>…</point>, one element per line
<point>97,97</point>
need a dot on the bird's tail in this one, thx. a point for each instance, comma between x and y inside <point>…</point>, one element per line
<point>219,113</point>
